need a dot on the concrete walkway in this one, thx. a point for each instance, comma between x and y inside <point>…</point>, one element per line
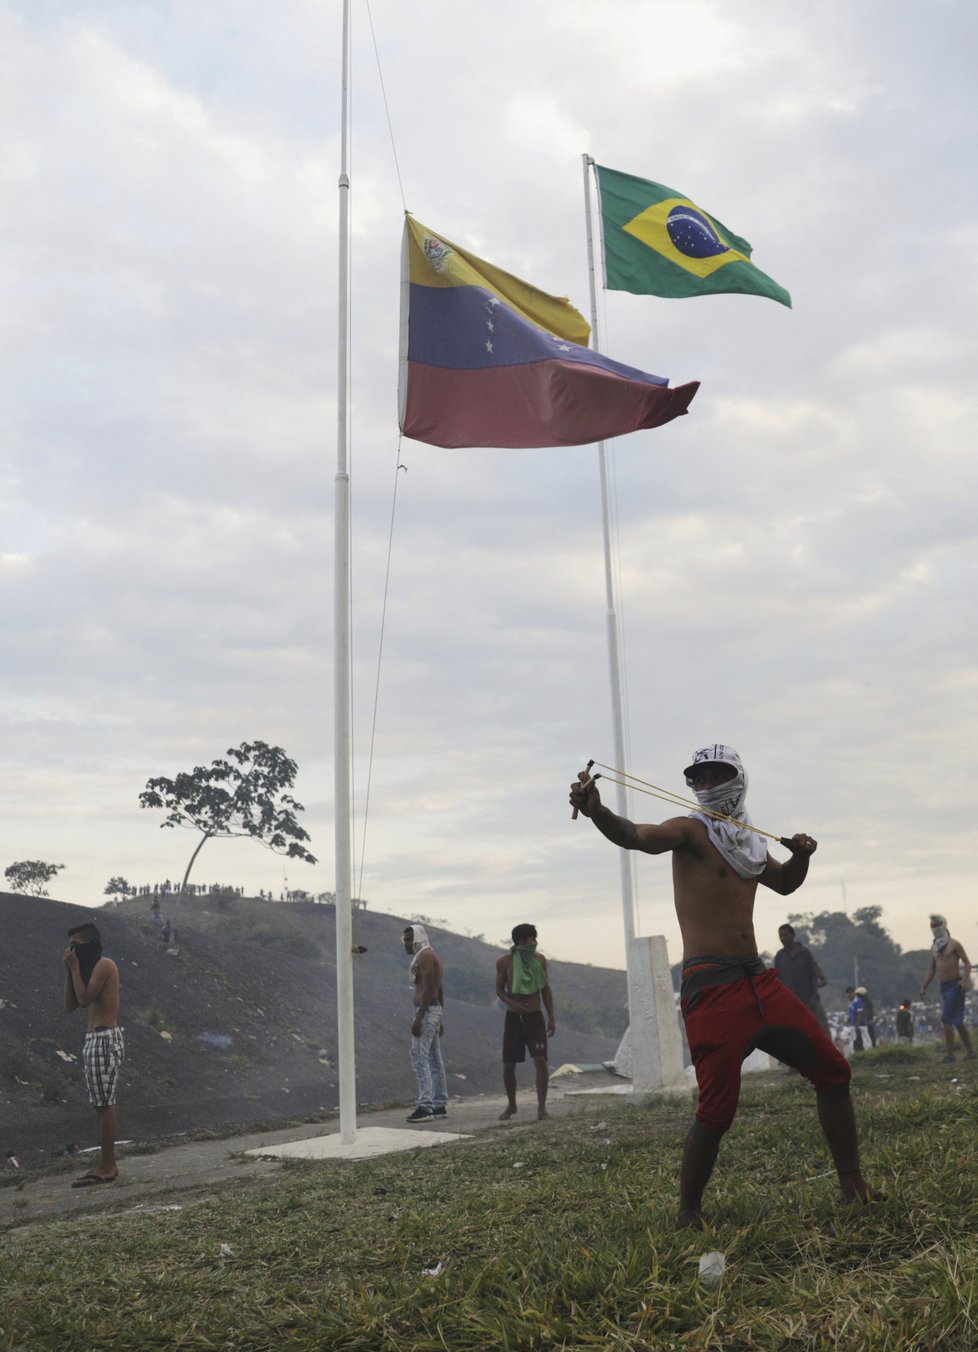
<point>186,1172</point>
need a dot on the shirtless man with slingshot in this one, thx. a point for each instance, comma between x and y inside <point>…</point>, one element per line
<point>730,1002</point>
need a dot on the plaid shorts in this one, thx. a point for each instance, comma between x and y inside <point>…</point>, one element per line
<point>103,1054</point>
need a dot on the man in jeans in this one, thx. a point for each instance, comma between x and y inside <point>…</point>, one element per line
<point>426,972</point>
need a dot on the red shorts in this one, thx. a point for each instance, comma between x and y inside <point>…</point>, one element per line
<point>523,1033</point>
<point>729,1008</point>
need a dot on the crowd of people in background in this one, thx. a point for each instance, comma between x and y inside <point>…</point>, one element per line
<point>861,1026</point>
<point>286,894</point>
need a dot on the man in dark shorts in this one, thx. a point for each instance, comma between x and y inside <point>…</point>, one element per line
<point>730,1002</point>
<point>953,969</point>
<point>522,983</point>
<point>92,984</point>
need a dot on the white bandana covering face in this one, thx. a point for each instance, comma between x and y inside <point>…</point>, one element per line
<point>940,933</point>
<point>420,936</point>
<point>744,850</point>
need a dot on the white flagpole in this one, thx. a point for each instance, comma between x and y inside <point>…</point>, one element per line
<point>651,1048</point>
<point>341,644</point>
<point>614,642</point>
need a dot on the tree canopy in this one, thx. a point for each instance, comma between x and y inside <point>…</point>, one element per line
<point>31,876</point>
<point>244,795</point>
<point>857,951</point>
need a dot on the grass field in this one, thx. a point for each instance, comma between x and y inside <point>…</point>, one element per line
<point>558,1237</point>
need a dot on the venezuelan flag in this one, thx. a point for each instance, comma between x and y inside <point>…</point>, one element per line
<point>489,360</point>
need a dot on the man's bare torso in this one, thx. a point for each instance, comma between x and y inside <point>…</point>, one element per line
<point>714,905</point>
<point>428,977</point>
<point>947,961</point>
<point>103,1012</point>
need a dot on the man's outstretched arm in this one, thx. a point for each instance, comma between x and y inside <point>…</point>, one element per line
<point>652,839</point>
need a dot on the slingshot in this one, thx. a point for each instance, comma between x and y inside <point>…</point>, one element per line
<point>654,791</point>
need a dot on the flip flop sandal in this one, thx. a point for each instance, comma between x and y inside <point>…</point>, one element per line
<point>92,1180</point>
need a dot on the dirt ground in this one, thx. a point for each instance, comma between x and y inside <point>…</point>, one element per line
<point>185,1173</point>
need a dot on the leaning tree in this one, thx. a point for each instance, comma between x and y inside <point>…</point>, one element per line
<point>31,876</point>
<point>245,795</point>
<point>118,888</point>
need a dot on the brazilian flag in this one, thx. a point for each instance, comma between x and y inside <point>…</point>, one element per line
<point>659,243</point>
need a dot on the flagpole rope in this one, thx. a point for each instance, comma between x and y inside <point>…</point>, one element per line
<point>390,540</point>
<point>380,653</point>
<point>653,791</point>
<point>387,111</point>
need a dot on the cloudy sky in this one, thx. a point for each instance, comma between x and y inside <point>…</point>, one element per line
<point>797,556</point>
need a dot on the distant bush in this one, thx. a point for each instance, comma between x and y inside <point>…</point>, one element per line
<point>297,945</point>
<point>153,1015</point>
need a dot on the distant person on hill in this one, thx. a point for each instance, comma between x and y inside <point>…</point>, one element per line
<point>904,1022</point>
<point>800,972</point>
<point>92,984</point>
<point>950,962</point>
<point>425,974</point>
<point>156,915</point>
<point>522,982</point>
<point>730,1002</point>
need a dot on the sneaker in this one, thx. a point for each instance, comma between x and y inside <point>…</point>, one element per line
<point>421,1115</point>
<point>443,1112</point>
<point>946,1059</point>
<point>972,1056</point>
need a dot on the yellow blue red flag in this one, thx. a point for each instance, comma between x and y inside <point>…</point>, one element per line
<point>490,360</point>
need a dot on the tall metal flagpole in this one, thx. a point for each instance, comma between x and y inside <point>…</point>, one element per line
<point>341,644</point>
<point>651,1050</point>
<point>614,641</point>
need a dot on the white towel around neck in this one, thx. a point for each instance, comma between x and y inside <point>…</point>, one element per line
<point>419,944</point>
<point>744,850</point>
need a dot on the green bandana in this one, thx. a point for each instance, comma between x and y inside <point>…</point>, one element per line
<point>528,974</point>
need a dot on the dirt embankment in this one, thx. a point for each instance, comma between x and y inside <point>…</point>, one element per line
<point>236,1022</point>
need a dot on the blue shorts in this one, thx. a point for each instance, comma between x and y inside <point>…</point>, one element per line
<point>953,997</point>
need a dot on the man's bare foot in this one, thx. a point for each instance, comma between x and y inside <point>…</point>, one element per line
<point>856,1189</point>
<point>508,1112</point>
<point>689,1220</point>
<point>543,1115</point>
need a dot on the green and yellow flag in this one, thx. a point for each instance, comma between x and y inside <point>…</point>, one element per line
<point>659,243</point>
